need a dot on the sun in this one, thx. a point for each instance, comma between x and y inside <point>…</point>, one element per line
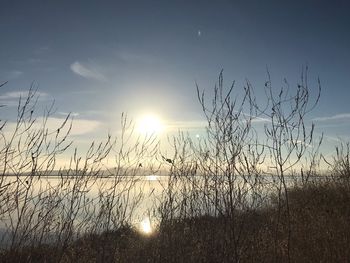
<point>150,125</point>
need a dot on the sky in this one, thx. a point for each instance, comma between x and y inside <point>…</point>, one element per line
<point>97,59</point>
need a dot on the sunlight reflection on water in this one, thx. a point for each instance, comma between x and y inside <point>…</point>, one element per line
<point>145,226</point>
<point>135,197</point>
<point>152,177</point>
<point>145,191</point>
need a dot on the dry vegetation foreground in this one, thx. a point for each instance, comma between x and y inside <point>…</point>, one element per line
<point>320,232</point>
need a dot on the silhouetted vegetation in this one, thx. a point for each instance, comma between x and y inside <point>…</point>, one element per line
<point>319,215</point>
<point>234,195</point>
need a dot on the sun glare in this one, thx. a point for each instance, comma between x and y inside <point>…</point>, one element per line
<point>146,226</point>
<point>150,124</point>
<point>152,177</point>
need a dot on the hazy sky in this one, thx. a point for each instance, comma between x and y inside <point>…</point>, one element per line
<point>100,58</point>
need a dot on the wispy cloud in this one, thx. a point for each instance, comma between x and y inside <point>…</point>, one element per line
<point>15,74</point>
<point>12,98</point>
<point>73,114</point>
<point>259,120</point>
<point>340,116</point>
<point>21,94</point>
<point>186,125</point>
<point>10,74</point>
<point>79,126</point>
<point>201,124</point>
<point>86,72</point>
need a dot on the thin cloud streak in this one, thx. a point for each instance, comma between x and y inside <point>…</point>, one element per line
<point>12,98</point>
<point>86,72</point>
<point>334,117</point>
<point>79,126</point>
<point>21,94</point>
<point>73,114</point>
<point>193,125</point>
<point>186,125</point>
<point>10,74</point>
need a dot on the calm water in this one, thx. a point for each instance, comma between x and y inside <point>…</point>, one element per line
<point>133,198</point>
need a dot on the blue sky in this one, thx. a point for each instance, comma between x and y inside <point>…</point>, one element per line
<point>100,58</point>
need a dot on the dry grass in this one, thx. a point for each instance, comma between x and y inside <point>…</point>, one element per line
<point>320,216</point>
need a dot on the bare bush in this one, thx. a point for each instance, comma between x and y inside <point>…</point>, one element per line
<point>42,203</point>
